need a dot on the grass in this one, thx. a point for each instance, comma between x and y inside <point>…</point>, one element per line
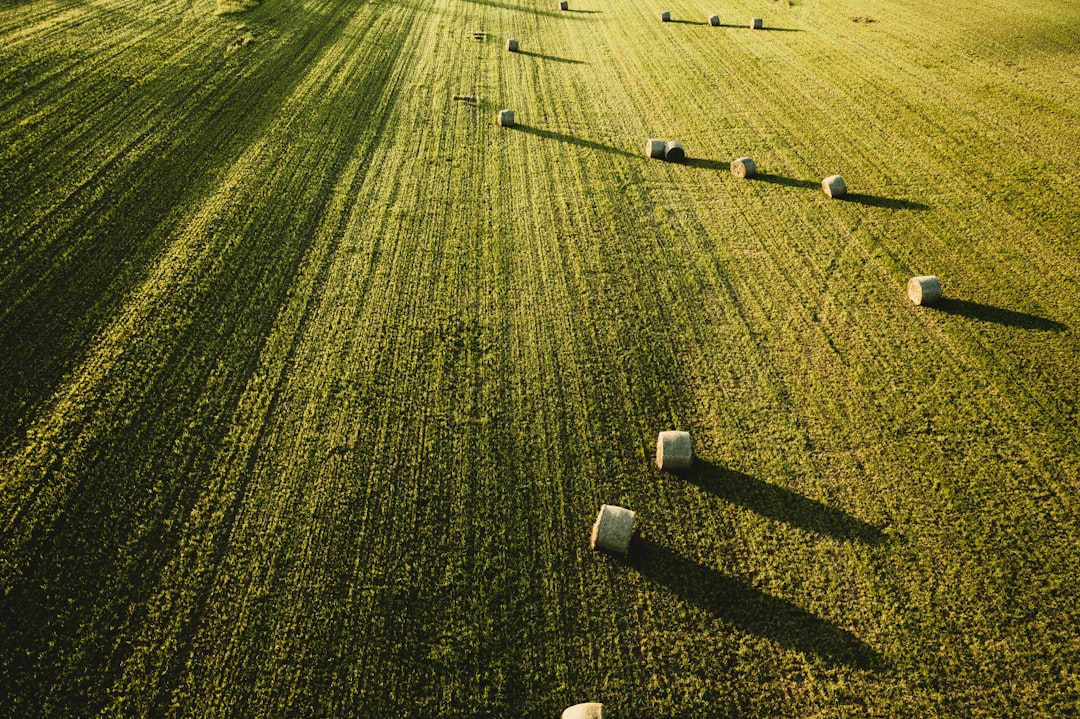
<point>313,378</point>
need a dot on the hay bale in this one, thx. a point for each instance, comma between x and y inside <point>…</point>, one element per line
<point>743,167</point>
<point>673,450</point>
<point>756,23</point>
<point>714,20</point>
<point>506,118</point>
<point>512,45</point>
<point>588,710</point>
<point>564,5</point>
<point>674,152</point>
<point>834,186</point>
<point>655,148</point>
<point>612,529</point>
<point>924,290</point>
<point>665,16</point>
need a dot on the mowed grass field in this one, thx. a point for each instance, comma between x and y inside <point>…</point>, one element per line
<point>313,378</point>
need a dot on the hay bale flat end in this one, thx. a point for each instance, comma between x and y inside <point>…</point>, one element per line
<point>506,118</point>
<point>756,23</point>
<point>612,529</point>
<point>665,16</point>
<point>674,152</point>
<point>588,710</point>
<point>924,290</point>
<point>512,45</point>
<point>834,186</point>
<point>673,450</point>
<point>714,20</point>
<point>655,148</point>
<point>743,167</point>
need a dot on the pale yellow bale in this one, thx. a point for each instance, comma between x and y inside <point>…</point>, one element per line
<point>673,450</point>
<point>834,186</point>
<point>924,289</point>
<point>612,529</point>
<point>743,167</point>
<point>588,710</point>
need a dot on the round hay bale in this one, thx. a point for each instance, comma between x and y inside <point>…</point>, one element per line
<point>665,16</point>
<point>714,20</point>
<point>743,167</point>
<point>655,148</point>
<point>588,710</point>
<point>564,5</point>
<point>674,152</point>
<point>512,45</point>
<point>506,118</point>
<point>834,186</point>
<point>612,529</point>
<point>756,23</point>
<point>924,290</point>
<point>673,450</point>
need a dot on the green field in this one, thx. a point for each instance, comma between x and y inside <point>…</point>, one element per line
<point>313,378</point>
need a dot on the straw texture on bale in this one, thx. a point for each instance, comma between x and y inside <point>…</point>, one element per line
<point>655,148</point>
<point>564,5</point>
<point>924,290</point>
<point>612,529</point>
<point>743,167</point>
<point>506,118</point>
<point>673,450</point>
<point>714,20</point>
<point>756,23</point>
<point>588,710</point>
<point>674,152</point>
<point>665,16</point>
<point>834,186</point>
<point>512,45</point>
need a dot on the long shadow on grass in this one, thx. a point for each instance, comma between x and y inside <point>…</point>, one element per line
<point>707,164</point>
<point>551,58</point>
<point>519,8</point>
<point>749,608</point>
<point>997,315</point>
<point>886,202</point>
<point>780,504</point>
<point>570,139</point>
<point>785,181</point>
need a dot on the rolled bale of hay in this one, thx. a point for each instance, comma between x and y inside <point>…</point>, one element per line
<point>665,16</point>
<point>673,450</point>
<point>924,290</point>
<point>674,152</point>
<point>588,710</point>
<point>512,45</point>
<point>655,148</point>
<point>756,23</point>
<point>714,20</point>
<point>833,186</point>
<point>743,167</point>
<point>564,5</point>
<point>506,118</point>
<point>612,529</point>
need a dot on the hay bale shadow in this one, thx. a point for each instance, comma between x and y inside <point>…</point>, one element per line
<point>786,181</point>
<point>886,202</point>
<point>996,315</point>
<point>749,608</point>
<point>571,140</point>
<point>551,58</point>
<point>783,505</point>
<point>707,164</point>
